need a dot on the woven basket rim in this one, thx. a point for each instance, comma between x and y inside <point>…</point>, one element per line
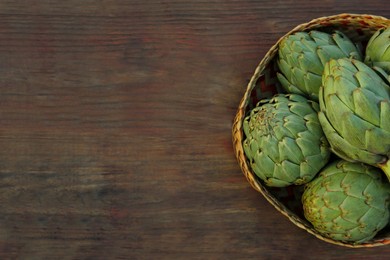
<point>237,133</point>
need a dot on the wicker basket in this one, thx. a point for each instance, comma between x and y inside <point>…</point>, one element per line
<point>264,84</point>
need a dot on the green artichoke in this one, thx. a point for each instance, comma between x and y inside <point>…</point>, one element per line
<point>284,141</point>
<point>378,50</point>
<point>302,57</point>
<point>355,112</point>
<point>347,202</point>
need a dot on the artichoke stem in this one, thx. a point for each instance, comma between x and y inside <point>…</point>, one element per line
<point>386,168</point>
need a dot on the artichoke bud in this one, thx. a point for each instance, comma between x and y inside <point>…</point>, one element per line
<point>355,114</point>
<point>378,50</point>
<point>284,142</point>
<point>302,57</point>
<point>347,202</point>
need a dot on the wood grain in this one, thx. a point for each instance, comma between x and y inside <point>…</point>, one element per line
<point>115,129</point>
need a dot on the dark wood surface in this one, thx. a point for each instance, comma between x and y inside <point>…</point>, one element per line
<point>115,129</point>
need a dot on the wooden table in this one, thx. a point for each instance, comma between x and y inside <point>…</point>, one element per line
<point>115,130</point>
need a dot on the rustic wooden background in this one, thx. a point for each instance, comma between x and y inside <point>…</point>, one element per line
<point>115,129</point>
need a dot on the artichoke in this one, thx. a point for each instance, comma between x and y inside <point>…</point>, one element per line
<point>355,112</point>
<point>284,141</point>
<point>302,57</point>
<point>347,202</point>
<point>378,50</point>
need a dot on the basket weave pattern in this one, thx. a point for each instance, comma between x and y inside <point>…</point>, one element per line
<point>264,84</point>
